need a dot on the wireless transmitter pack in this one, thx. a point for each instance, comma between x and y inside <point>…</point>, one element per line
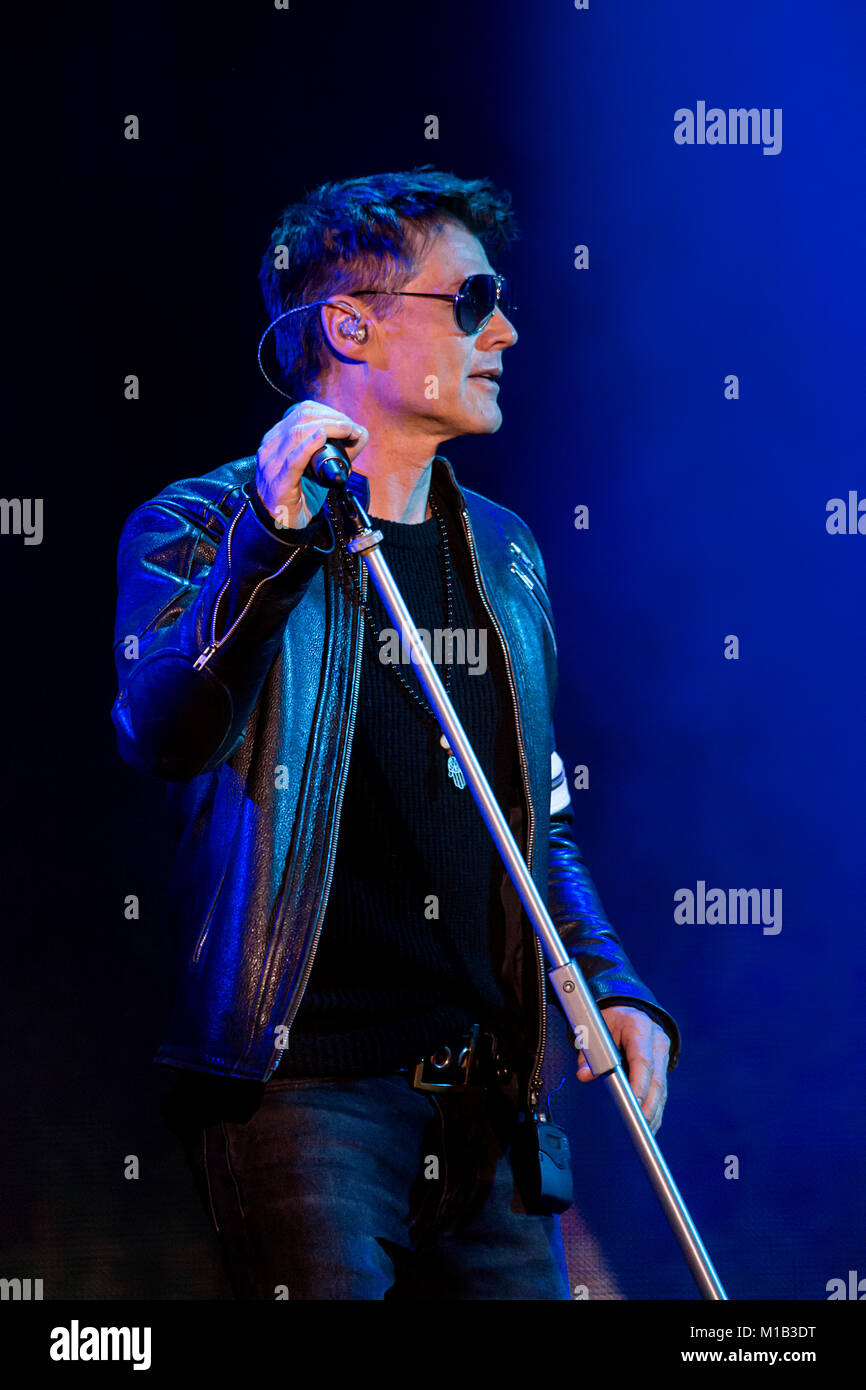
<point>541,1163</point>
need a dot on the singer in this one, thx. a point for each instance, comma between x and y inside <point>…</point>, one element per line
<point>360,1019</point>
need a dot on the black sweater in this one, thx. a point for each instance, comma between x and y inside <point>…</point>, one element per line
<point>394,975</point>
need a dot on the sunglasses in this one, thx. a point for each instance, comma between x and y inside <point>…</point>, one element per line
<point>474,303</point>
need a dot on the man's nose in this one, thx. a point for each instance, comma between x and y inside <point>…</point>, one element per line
<point>499,331</point>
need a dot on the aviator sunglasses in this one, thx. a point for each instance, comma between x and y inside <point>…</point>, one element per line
<point>474,303</point>
<point>474,306</point>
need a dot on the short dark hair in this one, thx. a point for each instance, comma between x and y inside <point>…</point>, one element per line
<point>375,229</point>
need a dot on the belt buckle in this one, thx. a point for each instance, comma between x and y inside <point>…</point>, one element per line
<point>463,1063</point>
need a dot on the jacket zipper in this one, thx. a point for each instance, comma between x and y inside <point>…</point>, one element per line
<point>515,569</point>
<point>512,545</point>
<point>535,1077</point>
<point>299,993</point>
<point>214,645</point>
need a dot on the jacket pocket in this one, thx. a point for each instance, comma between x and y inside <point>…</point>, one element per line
<point>198,950</point>
<point>536,589</point>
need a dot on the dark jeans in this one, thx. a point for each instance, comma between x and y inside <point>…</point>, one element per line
<point>363,1188</point>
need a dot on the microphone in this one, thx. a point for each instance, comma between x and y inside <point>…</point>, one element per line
<point>329,465</point>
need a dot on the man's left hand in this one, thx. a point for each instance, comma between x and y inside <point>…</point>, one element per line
<point>646,1049</point>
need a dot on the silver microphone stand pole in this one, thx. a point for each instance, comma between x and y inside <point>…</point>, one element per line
<point>579,1007</point>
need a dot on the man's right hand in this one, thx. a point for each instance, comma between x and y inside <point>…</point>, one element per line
<point>286,450</point>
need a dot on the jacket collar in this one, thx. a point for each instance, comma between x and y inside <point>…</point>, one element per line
<point>443,483</point>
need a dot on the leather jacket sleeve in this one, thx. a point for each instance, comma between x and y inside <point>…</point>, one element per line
<point>572,900</point>
<point>579,917</point>
<point>211,586</point>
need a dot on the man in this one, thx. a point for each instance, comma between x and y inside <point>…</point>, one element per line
<point>349,936</point>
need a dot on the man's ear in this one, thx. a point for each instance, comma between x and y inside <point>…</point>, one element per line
<point>346,329</point>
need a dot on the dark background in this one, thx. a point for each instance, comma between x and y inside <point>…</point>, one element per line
<point>707,517</point>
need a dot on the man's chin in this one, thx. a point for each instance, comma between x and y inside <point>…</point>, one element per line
<point>468,421</point>
<point>476,422</point>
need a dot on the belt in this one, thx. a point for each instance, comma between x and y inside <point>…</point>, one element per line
<point>475,1059</point>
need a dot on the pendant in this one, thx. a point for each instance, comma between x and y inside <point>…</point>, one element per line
<point>455,771</point>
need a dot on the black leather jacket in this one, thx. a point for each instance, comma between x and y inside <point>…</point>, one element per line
<point>238,656</point>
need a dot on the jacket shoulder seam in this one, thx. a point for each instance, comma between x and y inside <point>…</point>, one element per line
<point>497,508</point>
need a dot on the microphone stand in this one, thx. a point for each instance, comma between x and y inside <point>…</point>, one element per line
<point>331,468</point>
